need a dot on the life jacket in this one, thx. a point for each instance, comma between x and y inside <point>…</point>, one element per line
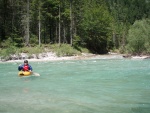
<point>26,68</point>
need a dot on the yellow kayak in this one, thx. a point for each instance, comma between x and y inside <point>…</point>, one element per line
<point>24,73</point>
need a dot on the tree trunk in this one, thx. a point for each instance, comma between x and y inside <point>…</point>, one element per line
<point>64,29</point>
<point>71,22</point>
<point>39,28</point>
<point>59,25</point>
<point>27,30</point>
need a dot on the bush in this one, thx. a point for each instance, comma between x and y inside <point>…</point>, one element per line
<point>139,37</point>
<point>62,50</point>
<point>66,50</point>
<point>34,40</point>
<point>5,53</point>
<point>7,43</point>
<point>31,50</point>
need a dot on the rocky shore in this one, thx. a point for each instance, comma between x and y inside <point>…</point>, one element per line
<point>50,56</point>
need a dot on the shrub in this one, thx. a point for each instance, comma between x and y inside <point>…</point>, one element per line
<point>66,50</point>
<point>139,37</point>
<point>5,53</point>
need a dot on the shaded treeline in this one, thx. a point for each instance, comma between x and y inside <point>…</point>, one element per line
<point>98,25</point>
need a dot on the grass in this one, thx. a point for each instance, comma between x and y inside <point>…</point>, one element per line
<point>62,50</point>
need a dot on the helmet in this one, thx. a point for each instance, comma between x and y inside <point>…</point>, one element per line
<point>26,61</point>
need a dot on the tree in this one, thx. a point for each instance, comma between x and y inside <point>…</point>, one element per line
<point>27,36</point>
<point>96,26</point>
<point>59,25</point>
<point>39,26</point>
<point>139,37</point>
<point>71,27</point>
<point>125,13</point>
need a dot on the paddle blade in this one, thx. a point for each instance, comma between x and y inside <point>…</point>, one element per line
<point>35,74</point>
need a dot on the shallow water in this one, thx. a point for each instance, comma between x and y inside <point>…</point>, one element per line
<point>80,86</point>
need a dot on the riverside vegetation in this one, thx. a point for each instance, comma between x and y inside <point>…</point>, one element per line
<point>13,53</point>
<point>72,27</point>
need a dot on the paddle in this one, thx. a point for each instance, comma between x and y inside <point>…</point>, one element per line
<point>32,73</point>
<point>35,74</point>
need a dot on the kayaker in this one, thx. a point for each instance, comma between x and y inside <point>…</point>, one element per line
<point>25,66</point>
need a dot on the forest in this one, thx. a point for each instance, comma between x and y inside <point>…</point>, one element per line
<point>98,25</point>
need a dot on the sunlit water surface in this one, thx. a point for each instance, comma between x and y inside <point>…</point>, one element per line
<point>80,86</point>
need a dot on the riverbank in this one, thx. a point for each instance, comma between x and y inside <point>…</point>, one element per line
<point>53,57</point>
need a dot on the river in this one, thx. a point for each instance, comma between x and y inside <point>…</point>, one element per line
<point>77,86</point>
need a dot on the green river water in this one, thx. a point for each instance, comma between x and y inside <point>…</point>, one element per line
<point>77,86</point>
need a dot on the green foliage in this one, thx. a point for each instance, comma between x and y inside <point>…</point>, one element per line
<point>84,50</point>
<point>34,40</point>
<point>7,43</point>
<point>17,41</point>
<point>76,41</point>
<point>5,53</point>
<point>96,27</point>
<point>31,50</point>
<point>62,50</point>
<point>66,50</point>
<point>125,13</point>
<point>91,20</point>
<point>139,37</point>
<point>14,40</point>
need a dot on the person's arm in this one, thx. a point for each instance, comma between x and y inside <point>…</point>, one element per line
<point>30,68</point>
<point>20,67</point>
